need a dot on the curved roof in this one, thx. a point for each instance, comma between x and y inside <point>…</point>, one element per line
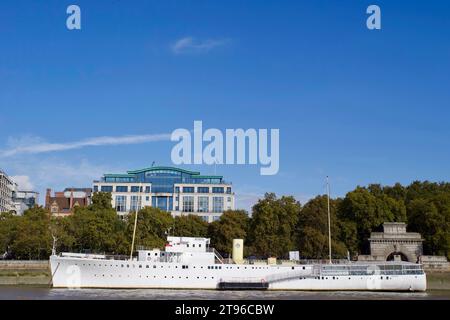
<point>163,168</point>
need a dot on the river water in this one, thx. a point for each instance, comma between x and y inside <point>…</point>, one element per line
<point>39,293</point>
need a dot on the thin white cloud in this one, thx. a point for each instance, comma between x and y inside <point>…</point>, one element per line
<point>57,174</point>
<point>36,145</point>
<point>191,45</point>
<point>24,182</point>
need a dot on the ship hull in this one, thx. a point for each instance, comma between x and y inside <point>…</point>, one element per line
<point>96,273</point>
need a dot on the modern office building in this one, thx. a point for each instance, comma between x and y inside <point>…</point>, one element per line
<point>178,191</point>
<point>7,186</point>
<point>24,200</point>
<point>63,203</point>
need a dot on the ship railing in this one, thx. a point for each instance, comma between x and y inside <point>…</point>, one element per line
<point>289,275</point>
<point>216,254</point>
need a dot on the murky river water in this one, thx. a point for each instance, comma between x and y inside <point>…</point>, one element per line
<point>35,293</point>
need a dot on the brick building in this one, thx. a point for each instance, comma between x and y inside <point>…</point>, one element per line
<point>62,203</point>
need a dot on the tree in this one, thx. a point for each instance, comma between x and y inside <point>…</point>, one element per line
<point>369,209</point>
<point>233,224</point>
<point>431,218</point>
<point>272,227</point>
<point>31,237</point>
<point>190,226</point>
<point>8,225</point>
<point>153,226</point>
<point>97,228</point>
<point>312,230</point>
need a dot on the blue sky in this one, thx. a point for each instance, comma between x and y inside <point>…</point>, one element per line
<point>358,105</point>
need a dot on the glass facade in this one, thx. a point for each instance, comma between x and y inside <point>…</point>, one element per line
<point>163,179</point>
<point>217,204</point>
<point>188,189</point>
<point>121,189</point>
<point>218,190</point>
<point>193,193</point>
<point>203,189</point>
<point>136,189</point>
<point>188,204</point>
<point>203,204</point>
<point>135,204</point>
<point>121,203</point>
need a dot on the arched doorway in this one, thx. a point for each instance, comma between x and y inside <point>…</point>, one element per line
<point>397,256</point>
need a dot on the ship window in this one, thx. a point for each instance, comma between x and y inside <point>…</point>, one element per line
<point>140,266</point>
<point>303,268</point>
<point>199,245</point>
<point>121,265</point>
<point>292,268</point>
<point>147,266</point>
<point>154,267</point>
<point>128,265</point>
<point>193,246</point>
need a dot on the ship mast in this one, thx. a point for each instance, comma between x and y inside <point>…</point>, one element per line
<point>329,220</point>
<point>135,220</point>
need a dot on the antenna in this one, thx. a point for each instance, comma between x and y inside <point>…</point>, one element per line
<point>135,220</point>
<point>329,219</point>
<point>215,166</point>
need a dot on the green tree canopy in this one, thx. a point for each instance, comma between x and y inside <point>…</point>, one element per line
<point>190,226</point>
<point>233,224</point>
<point>312,230</point>
<point>272,228</point>
<point>153,226</point>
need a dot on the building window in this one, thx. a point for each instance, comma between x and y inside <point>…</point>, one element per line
<point>217,204</point>
<point>121,189</point>
<point>188,189</point>
<point>177,189</point>
<point>147,189</point>
<point>228,199</point>
<point>106,188</point>
<point>229,190</point>
<point>188,204</point>
<point>205,218</point>
<point>203,189</point>
<point>216,218</point>
<point>121,203</point>
<point>135,204</point>
<point>135,189</point>
<point>95,188</point>
<point>217,190</point>
<point>203,204</point>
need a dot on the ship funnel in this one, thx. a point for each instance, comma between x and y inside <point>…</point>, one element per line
<point>238,251</point>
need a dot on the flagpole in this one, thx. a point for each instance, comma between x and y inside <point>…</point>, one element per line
<point>135,221</point>
<point>329,220</point>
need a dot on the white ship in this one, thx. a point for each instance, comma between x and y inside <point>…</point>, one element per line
<point>190,263</point>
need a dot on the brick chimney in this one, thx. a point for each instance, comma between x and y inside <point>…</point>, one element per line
<point>48,195</point>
